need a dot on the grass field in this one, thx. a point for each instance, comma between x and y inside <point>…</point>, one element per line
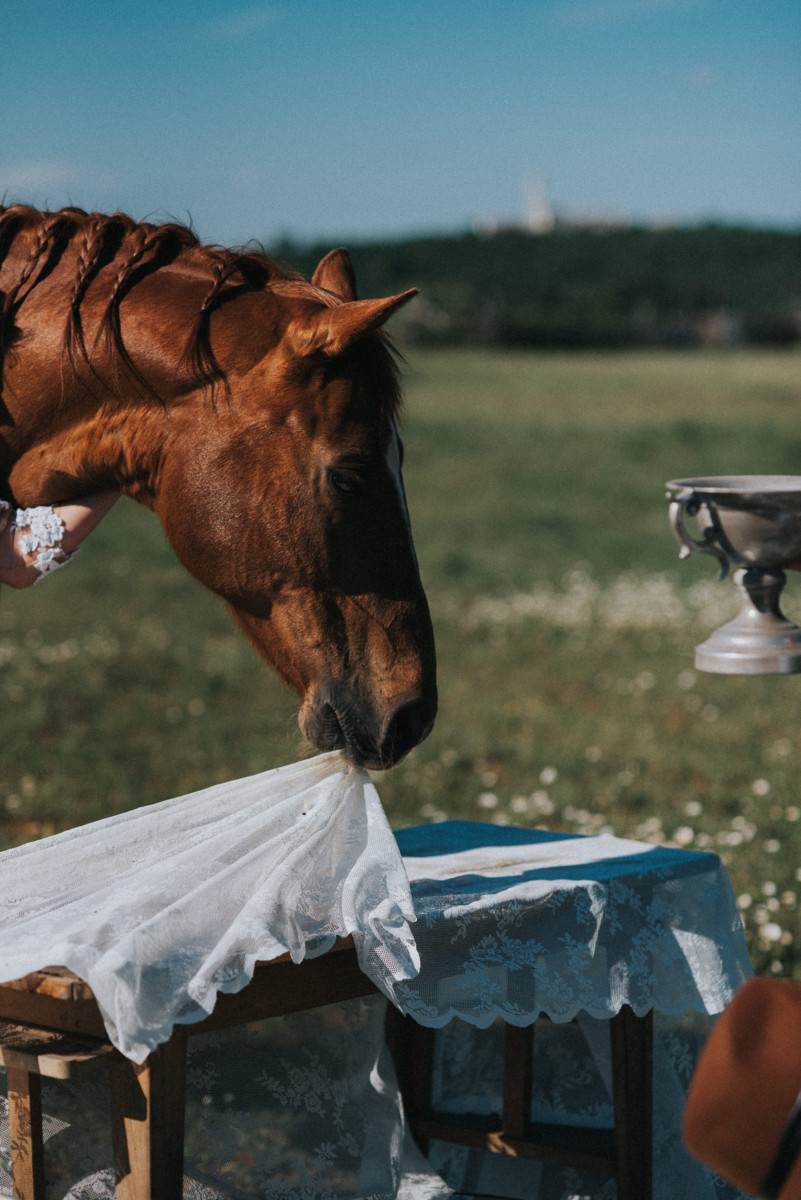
<point>565,630</point>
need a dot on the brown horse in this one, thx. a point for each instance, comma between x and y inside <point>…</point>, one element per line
<point>255,413</point>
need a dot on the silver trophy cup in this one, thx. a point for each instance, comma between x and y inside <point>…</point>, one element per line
<point>752,522</point>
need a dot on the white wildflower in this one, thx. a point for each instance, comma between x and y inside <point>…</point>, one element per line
<point>543,803</point>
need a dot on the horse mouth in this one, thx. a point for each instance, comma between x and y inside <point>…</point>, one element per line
<point>337,729</point>
<point>333,723</point>
<point>331,735</point>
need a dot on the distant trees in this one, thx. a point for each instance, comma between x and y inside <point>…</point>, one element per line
<point>578,287</point>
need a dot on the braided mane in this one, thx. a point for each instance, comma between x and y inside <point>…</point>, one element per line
<point>138,249</point>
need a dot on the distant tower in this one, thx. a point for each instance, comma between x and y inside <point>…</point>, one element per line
<point>538,216</point>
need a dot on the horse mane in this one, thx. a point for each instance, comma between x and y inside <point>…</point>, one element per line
<point>139,249</point>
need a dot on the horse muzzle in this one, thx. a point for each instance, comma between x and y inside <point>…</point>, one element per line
<point>335,718</point>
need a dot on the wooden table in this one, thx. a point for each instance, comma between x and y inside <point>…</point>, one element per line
<point>147,1101</point>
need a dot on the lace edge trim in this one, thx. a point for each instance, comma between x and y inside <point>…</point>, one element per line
<point>601,1012</point>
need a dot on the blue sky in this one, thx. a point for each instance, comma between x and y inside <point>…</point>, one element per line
<point>349,118</point>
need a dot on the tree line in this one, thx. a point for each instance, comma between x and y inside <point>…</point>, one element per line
<point>575,287</point>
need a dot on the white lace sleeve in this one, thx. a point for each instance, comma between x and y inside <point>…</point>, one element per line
<point>42,537</point>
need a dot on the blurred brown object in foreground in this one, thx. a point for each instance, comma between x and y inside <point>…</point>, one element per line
<point>743,1114</point>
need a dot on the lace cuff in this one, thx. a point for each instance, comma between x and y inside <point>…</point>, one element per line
<point>42,536</point>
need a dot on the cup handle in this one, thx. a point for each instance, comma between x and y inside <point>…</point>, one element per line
<point>690,503</point>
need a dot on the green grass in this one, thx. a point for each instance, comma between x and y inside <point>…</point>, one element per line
<point>564,703</point>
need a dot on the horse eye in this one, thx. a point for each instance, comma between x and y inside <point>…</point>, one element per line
<point>346,482</point>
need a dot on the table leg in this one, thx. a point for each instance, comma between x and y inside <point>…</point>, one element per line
<point>147,1113</point>
<point>517,1079</point>
<point>632,1075</point>
<point>27,1144</point>
<point>412,1049</point>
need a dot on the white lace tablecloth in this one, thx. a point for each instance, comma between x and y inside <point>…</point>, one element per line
<point>517,922</point>
<point>514,923</point>
<point>511,923</point>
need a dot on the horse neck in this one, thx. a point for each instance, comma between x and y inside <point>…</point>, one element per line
<point>68,432</point>
<point>78,444</point>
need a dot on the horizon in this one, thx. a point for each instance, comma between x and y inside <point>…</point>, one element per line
<point>562,226</point>
<point>311,122</point>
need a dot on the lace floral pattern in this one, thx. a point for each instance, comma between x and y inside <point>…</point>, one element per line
<point>306,1108</point>
<point>566,925</point>
<point>296,1108</point>
<point>43,537</point>
<point>572,1074</point>
<point>161,908</point>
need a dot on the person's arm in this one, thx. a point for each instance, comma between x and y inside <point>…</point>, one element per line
<point>37,540</point>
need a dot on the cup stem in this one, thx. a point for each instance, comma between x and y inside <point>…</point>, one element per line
<point>761,591</point>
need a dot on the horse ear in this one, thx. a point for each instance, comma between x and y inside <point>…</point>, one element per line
<point>335,273</point>
<point>333,330</point>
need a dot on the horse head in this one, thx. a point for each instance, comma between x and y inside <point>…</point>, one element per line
<point>284,497</point>
<point>290,504</point>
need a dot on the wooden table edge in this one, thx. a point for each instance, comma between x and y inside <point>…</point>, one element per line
<point>55,998</point>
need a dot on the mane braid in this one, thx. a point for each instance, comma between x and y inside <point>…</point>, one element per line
<point>11,221</point>
<point>102,237</point>
<point>198,357</point>
<point>48,246</point>
<point>152,247</point>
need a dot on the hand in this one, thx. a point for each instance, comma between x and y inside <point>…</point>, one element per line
<point>18,568</point>
<point>15,569</point>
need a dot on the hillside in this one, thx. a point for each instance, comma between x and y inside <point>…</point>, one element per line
<point>710,285</point>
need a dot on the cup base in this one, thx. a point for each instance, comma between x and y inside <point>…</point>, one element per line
<point>743,647</point>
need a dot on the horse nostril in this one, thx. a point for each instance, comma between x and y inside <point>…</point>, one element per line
<point>406,728</point>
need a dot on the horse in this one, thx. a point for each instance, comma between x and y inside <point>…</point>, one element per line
<point>256,414</point>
